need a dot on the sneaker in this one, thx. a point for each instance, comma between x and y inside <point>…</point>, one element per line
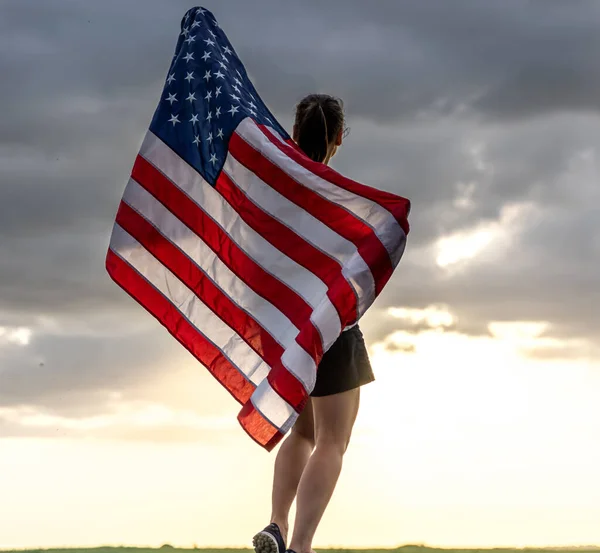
<point>269,540</point>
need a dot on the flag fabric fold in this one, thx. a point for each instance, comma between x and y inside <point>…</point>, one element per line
<point>254,257</point>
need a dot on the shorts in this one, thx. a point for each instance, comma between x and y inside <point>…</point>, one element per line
<point>344,366</point>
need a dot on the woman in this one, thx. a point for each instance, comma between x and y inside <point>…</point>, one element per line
<point>309,461</point>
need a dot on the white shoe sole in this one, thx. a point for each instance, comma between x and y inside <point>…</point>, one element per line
<point>265,543</point>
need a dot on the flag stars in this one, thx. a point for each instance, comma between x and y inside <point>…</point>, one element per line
<point>196,24</point>
<point>172,98</point>
<point>174,119</point>
<point>252,106</point>
<point>220,134</point>
<point>227,50</point>
<point>185,32</point>
<point>171,78</point>
<point>222,65</point>
<point>208,95</point>
<point>190,39</point>
<point>237,82</point>
<point>196,141</point>
<point>233,110</point>
<point>218,112</point>
<point>194,119</point>
<point>210,138</point>
<point>209,116</point>
<point>211,33</point>
<point>236,98</point>
<point>209,41</point>
<point>188,57</point>
<point>225,58</point>
<point>219,75</point>
<point>189,77</point>
<point>191,97</point>
<point>207,76</point>
<point>206,55</point>
<point>213,159</point>
<point>217,91</point>
<point>236,88</point>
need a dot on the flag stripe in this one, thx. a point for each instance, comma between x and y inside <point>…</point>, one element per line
<point>231,345</point>
<point>259,429</point>
<point>181,329</point>
<point>182,176</point>
<point>245,268</point>
<point>270,318</point>
<point>301,236</point>
<point>257,153</point>
<point>213,297</point>
<point>381,209</point>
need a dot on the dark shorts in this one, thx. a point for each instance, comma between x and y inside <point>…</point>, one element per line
<point>344,366</point>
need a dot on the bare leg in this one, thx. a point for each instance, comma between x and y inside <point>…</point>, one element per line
<point>334,418</point>
<point>289,465</point>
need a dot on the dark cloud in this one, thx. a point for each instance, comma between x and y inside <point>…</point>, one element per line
<point>465,107</point>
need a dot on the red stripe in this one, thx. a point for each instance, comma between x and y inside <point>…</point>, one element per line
<point>194,341</point>
<point>258,428</point>
<point>335,217</point>
<point>263,283</point>
<point>188,272</point>
<point>339,291</point>
<point>398,206</point>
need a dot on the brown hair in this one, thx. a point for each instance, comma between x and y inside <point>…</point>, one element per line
<point>319,120</point>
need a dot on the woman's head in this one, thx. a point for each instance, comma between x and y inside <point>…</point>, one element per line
<point>319,126</point>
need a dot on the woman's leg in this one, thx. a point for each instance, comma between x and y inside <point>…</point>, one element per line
<point>289,465</point>
<point>334,418</point>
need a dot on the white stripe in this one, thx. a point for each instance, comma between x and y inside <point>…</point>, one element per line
<point>383,223</point>
<point>268,316</point>
<point>309,228</point>
<point>297,361</point>
<point>273,407</point>
<point>185,177</point>
<point>189,305</point>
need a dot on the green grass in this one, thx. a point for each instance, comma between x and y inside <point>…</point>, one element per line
<point>403,549</point>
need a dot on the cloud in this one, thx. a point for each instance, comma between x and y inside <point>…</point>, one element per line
<point>486,115</point>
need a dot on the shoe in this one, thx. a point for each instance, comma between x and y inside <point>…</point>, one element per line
<point>269,540</point>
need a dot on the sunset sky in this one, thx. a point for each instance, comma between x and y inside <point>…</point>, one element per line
<point>483,425</point>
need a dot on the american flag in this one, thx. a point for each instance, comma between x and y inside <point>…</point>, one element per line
<point>254,257</point>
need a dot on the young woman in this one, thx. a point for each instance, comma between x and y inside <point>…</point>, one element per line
<point>309,461</point>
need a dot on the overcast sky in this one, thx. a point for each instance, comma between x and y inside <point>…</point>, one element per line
<point>486,114</point>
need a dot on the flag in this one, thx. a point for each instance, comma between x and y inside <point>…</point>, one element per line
<point>254,257</point>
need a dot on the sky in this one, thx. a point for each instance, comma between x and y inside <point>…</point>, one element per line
<point>482,426</point>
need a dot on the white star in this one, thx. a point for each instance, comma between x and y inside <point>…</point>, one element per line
<point>251,96</point>
<point>236,88</point>
<point>219,74</point>
<point>268,120</point>
<point>220,134</point>
<point>209,116</point>
<point>190,39</point>
<point>233,110</point>
<point>218,112</point>
<point>196,24</point>
<point>215,23</point>
<point>217,92</point>
<point>210,138</point>
<point>206,56</point>
<point>227,50</point>
<point>174,119</point>
<point>241,77</point>
<point>196,140</point>
<point>237,81</point>
<point>171,78</point>
<point>191,97</point>
<point>253,112</point>
<point>189,56</point>
<point>189,77</point>
<point>185,32</point>
<point>213,158</point>
<point>222,65</point>
<point>208,95</point>
<point>200,11</point>
<point>252,105</point>
<point>212,34</point>
<point>209,41</point>
<point>194,119</point>
<point>225,58</point>
<point>172,98</point>
<point>236,98</point>
<point>207,76</point>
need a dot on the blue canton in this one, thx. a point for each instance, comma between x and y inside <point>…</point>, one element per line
<point>206,95</point>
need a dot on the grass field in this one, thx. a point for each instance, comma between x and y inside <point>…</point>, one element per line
<point>403,549</point>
